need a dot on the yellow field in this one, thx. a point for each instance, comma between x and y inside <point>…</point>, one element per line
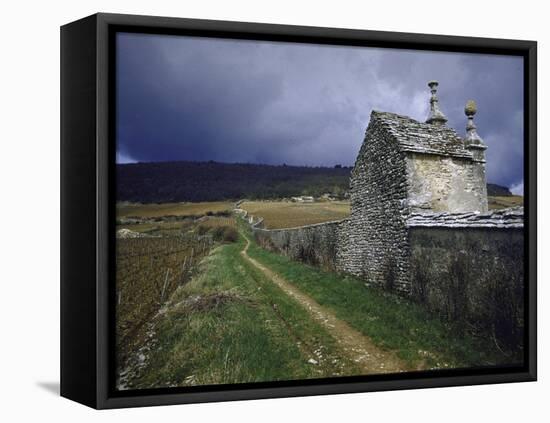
<point>285,214</point>
<point>276,214</point>
<point>503,202</point>
<point>172,209</point>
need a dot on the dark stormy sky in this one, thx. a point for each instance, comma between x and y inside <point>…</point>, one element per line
<point>187,98</point>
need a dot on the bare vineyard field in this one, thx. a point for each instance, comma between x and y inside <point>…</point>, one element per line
<point>160,228</point>
<point>172,209</point>
<point>148,270</point>
<point>286,214</point>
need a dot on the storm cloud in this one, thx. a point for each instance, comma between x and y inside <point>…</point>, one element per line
<point>190,98</point>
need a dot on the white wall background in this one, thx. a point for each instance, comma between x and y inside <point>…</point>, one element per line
<point>29,223</point>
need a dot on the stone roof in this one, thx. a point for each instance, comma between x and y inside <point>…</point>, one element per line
<point>503,218</point>
<point>419,137</point>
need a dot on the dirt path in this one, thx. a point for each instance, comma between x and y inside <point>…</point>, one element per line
<point>354,344</point>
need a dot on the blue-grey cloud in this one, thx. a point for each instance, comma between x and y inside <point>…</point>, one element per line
<point>188,98</point>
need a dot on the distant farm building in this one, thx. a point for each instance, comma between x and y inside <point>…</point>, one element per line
<point>303,199</point>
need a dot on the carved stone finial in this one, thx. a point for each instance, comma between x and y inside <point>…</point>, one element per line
<point>471,108</point>
<point>436,115</point>
<point>472,137</point>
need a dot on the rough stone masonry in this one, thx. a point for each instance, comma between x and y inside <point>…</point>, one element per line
<point>419,222</point>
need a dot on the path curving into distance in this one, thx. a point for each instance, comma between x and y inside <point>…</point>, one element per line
<point>353,344</point>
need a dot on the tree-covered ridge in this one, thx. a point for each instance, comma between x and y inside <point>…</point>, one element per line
<point>213,181</point>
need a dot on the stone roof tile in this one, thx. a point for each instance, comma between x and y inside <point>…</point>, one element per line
<point>503,218</point>
<point>419,137</point>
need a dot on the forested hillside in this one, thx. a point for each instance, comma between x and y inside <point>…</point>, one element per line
<point>212,181</point>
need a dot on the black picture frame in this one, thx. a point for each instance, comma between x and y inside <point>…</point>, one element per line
<point>87,209</point>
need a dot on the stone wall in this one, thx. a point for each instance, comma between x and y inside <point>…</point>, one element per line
<point>378,249</point>
<point>439,183</point>
<point>469,268</point>
<point>322,245</point>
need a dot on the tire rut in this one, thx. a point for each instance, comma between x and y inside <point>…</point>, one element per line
<point>353,344</point>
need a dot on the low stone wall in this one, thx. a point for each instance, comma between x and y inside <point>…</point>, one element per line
<point>467,267</point>
<point>473,275</point>
<point>321,245</point>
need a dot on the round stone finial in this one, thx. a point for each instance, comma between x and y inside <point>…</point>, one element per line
<point>433,84</point>
<point>472,139</point>
<point>471,108</point>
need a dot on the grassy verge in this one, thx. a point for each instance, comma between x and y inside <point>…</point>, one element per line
<point>231,325</point>
<point>419,338</point>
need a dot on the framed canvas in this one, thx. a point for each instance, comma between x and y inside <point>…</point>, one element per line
<point>256,211</point>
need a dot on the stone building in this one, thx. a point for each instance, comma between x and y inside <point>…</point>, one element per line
<point>419,221</point>
<point>404,167</point>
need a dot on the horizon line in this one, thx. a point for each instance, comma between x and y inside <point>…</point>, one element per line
<point>334,166</point>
